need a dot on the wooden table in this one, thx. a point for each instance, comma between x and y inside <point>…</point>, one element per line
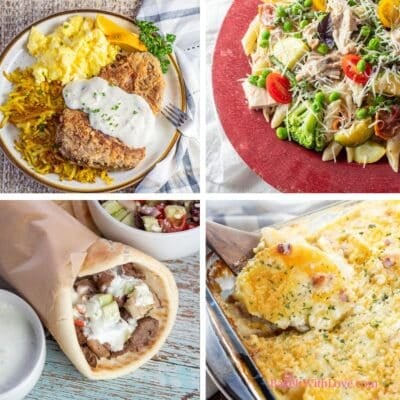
<point>173,374</point>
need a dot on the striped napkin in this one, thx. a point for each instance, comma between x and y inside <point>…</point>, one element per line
<point>180,170</point>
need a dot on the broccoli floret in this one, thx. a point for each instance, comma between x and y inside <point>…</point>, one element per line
<point>304,126</point>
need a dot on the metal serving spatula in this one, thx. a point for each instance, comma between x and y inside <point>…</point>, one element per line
<point>233,246</point>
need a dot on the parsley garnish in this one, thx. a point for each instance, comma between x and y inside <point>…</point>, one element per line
<point>157,44</point>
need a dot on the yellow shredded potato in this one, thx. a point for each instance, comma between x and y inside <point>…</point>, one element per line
<point>34,108</point>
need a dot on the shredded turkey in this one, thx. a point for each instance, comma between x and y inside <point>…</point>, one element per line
<point>321,67</point>
<point>395,39</point>
<point>310,34</point>
<point>344,23</point>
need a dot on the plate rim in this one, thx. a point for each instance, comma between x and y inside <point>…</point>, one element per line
<point>20,164</point>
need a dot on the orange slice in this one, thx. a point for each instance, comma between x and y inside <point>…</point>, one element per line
<point>118,35</point>
<point>389,13</point>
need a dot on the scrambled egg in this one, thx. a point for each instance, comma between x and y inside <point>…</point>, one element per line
<point>76,49</point>
<point>359,358</point>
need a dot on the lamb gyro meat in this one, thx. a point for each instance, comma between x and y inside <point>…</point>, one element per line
<point>112,313</point>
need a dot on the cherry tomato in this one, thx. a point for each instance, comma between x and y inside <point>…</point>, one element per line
<point>278,87</point>
<point>349,66</point>
<point>175,226</point>
<point>79,323</point>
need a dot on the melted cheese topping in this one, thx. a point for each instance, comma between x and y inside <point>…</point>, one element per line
<point>364,348</point>
<point>294,285</point>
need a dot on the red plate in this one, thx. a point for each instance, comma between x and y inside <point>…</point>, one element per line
<point>284,165</point>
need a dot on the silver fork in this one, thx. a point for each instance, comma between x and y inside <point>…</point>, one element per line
<point>178,118</point>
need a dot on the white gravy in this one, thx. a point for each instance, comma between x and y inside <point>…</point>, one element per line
<point>111,110</point>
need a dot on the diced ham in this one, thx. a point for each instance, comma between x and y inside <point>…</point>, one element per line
<point>284,248</point>
<point>343,296</point>
<point>321,280</point>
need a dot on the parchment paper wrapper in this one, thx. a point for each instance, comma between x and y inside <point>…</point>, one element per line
<point>79,209</point>
<point>43,250</point>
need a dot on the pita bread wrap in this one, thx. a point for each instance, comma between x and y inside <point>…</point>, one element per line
<point>43,250</point>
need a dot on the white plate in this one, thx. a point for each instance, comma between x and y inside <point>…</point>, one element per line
<point>25,377</point>
<point>17,56</point>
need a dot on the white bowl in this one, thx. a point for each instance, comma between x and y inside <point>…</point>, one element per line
<point>22,380</point>
<point>162,246</point>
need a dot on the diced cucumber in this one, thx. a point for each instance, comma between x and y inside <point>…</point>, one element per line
<point>129,288</point>
<point>112,206</point>
<point>104,299</point>
<point>356,135</point>
<point>290,50</point>
<point>129,219</point>
<point>111,311</point>
<point>151,224</point>
<point>369,153</point>
<point>121,214</point>
<point>175,212</point>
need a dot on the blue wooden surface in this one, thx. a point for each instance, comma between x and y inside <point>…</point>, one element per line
<point>173,374</point>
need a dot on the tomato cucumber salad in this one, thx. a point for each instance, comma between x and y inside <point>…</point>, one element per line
<point>326,75</point>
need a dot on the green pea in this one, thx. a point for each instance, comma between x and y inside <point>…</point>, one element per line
<point>281,12</point>
<point>334,96</point>
<point>351,3</point>
<point>298,35</point>
<point>264,43</point>
<point>308,3</point>
<point>265,73</point>
<point>365,31</point>
<point>373,44</point>
<point>287,26</point>
<point>361,65</point>
<point>282,133</point>
<point>297,9</point>
<point>320,98</point>
<point>379,100</point>
<point>372,110</point>
<point>362,113</point>
<point>261,82</point>
<point>316,107</point>
<point>266,35</point>
<point>323,49</point>
<point>304,23</point>
<point>253,79</point>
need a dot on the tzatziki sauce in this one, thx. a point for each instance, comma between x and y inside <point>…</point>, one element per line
<point>111,110</point>
<point>17,343</point>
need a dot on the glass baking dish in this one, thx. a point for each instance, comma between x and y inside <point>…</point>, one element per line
<point>228,362</point>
